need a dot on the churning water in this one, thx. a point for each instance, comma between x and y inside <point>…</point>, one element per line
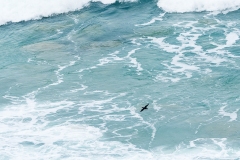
<point>74,75</point>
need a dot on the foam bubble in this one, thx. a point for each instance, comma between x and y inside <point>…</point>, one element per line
<point>198,5</point>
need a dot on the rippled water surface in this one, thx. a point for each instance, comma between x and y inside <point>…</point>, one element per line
<point>73,84</point>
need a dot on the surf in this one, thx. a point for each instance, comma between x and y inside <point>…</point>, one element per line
<point>25,10</point>
<point>17,11</point>
<point>182,6</point>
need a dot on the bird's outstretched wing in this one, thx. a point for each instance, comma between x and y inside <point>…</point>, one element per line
<point>142,109</point>
<point>146,105</point>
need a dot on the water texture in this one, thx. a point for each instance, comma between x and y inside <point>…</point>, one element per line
<point>75,74</point>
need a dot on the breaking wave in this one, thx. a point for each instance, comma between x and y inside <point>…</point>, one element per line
<point>17,11</point>
<point>181,6</point>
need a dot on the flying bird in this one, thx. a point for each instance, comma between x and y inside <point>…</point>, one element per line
<point>145,107</point>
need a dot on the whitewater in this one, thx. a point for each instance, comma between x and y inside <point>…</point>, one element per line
<point>16,11</point>
<point>74,75</point>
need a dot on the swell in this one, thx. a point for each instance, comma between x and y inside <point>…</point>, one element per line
<point>17,11</point>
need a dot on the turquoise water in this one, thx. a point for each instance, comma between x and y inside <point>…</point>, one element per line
<point>72,85</point>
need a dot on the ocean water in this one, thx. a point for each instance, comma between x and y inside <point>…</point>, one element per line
<point>74,75</point>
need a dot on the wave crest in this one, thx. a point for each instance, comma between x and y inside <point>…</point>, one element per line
<point>24,10</point>
<point>181,6</point>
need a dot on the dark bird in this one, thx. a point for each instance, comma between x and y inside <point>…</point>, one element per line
<point>144,107</point>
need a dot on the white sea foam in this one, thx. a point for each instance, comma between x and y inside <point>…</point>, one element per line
<point>26,133</point>
<point>83,87</point>
<point>184,64</point>
<point>134,62</point>
<point>180,63</point>
<point>231,38</point>
<point>232,116</point>
<point>198,5</point>
<point>16,11</point>
<point>159,18</point>
<point>113,57</point>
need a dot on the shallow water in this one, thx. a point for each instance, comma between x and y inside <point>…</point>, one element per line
<point>72,84</point>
